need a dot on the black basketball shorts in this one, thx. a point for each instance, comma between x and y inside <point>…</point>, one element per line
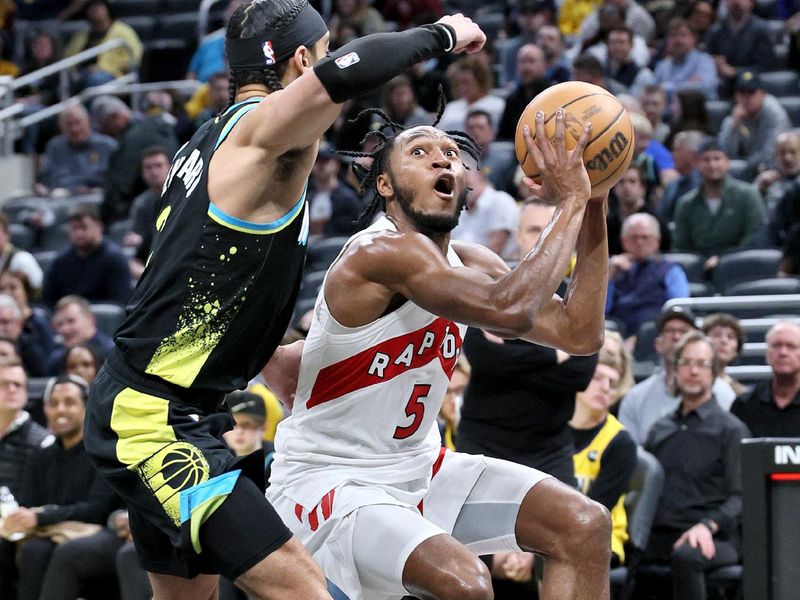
<point>193,506</point>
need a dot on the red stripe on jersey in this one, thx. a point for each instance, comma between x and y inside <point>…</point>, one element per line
<point>298,511</point>
<point>388,360</point>
<point>436,466</point>
<point>327,505</point>
<point>313,520</point>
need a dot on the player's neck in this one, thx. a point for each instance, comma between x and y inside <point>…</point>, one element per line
<point>405,224</point>
<point>251,90</point>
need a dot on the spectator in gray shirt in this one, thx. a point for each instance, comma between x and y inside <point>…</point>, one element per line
<point>751,130</point>
<point>653,398</point>
<point>77,159</point>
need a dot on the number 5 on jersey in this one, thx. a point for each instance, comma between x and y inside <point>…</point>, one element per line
<point>415,409</point>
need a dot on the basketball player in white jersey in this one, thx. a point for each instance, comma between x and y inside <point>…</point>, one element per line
<point>360,476</point>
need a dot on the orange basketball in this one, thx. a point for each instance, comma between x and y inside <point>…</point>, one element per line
<point>610,147</point>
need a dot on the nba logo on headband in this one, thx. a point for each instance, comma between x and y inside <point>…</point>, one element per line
<point>269,53</point>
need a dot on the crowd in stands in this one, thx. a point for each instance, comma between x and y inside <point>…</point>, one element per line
<point>714,96</point>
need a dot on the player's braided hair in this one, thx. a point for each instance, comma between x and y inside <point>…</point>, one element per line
<point>251,19</point>
<point>383,150</point>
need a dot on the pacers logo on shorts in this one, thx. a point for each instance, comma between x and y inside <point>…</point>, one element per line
<point>176,467</point>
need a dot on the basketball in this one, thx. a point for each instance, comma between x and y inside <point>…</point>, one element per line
<point>610,147</point>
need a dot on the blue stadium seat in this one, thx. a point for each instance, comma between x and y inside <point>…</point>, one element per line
<point>143,25</point>
<point>108,317</point>
<point>54,238</point>
<point>136,8</point>
<point>692,264</point>
<point>164,60</point>
<point>772,285</point>
<point>644,350</point>
<point>745,265</point>
<point>780,83</point>
<point>182,26</point>
<point>45,258</point>
<point>21,236</point>
<point>717,111</point>
<point>311,284</point>
<point>792,106</point>
<point>181,6</point>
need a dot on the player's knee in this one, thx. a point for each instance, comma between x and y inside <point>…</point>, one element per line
<point>468,580</point>
<point>587,528</point>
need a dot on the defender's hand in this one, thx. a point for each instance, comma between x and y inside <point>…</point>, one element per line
<point>564,175</point>
<point>283,371</point>
<point>469,37</point>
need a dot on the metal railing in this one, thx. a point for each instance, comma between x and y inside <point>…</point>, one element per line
<point>11,126</point>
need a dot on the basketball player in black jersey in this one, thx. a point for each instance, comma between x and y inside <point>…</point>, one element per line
<point>216,296</point>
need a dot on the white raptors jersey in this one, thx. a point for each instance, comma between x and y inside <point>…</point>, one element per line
<point>367,400</point>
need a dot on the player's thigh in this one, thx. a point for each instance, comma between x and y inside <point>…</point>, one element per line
<point>485,517</point>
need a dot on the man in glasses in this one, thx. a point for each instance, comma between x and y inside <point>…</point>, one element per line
<point>697,520</point>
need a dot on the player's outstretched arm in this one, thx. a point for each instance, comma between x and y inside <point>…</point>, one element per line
<point>297,116</point>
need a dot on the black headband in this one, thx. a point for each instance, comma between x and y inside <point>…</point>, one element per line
<point>272,47</point>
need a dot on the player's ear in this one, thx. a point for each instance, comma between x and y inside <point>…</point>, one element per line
<point>302,60</point>
<point>383,184</point>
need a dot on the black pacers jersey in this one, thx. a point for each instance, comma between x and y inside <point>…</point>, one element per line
<point>218,292</point>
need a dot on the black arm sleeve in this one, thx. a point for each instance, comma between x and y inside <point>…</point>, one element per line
<point>616,469</point>
<point>367,63</point>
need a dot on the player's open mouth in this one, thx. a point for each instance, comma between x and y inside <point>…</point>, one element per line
<point>444,185</point>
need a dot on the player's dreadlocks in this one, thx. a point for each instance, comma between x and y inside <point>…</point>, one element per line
<point>380,155</point>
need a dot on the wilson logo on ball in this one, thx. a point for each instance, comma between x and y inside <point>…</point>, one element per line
<point>614,150</point>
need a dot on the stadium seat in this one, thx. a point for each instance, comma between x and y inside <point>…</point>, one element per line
<point>717,111</point>
<point>118,230</point>
<point>745,265</point>
<point>322,252</point>
<point>780,83</point>
<point>136,8</point>
<point>311,284</point>
<point>45,258</point>
<point>164,60</point>
<point>54,238</point>
<point>751,308</point>
<point>181,6</point>
<point>792,106</point>
<point>781,58</point>
<point>771,285</point>
<point>144,26</point>
<point>701,289</point>
<point>108,317</point>
<point>181,26</point>
<point>739,169</point>
<point>777,28</point>
<point>692,264</point>
<point>21,236</point>
<point>641,501</point>
<point>644,350</point>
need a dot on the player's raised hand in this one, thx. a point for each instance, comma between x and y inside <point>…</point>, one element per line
<point>469,37</point>
<point>563,172</point>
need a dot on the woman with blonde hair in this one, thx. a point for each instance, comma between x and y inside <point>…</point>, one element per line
<point>615,346</point>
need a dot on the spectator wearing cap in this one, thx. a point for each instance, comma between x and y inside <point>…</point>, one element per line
<point>472,83</point>
<point>739,41</point>
<point>721,215</point>
<point>653,398</point>
<point>75,325</point>
<point>772,408</point>
<point>749,133</point>
<point>551,41</point>
<point>728,336</point>
<point>497,161</point>
<point>335,205</point>
<point>134,134</point>
<point>250,420</point>
<point>640,280</point>
<point>531,16</point>
<point>104,27</point>
<point>637,19</point>
<point>685,155</point>
<point>92,266</point>
<point>77,159</point>
<point>686,67</point>
<point>532,80</point>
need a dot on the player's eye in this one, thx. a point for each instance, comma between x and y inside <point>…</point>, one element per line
<point>418,151</point>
